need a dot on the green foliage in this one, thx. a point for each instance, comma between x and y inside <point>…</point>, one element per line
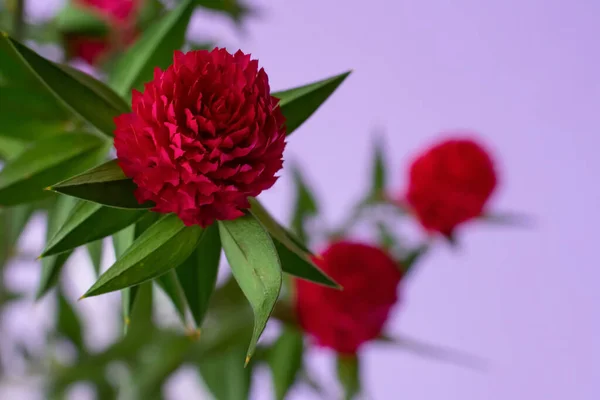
<point>285,360</point>
<point>348,370</point>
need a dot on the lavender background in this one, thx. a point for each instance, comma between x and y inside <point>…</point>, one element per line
<point>523,73</point>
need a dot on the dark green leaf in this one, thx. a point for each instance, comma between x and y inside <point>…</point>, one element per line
<point>379,178</point>
<point>52,266</point>
<point>10,148</point>
<point>236,9</point>
<point>154,49</point>
<point>285,360</point>
<point>88,222</point>
<point>95,252</point>
<point>105,184</point>
<point>305,205</point>
<point>122,240</point>
<point>162,247</point>
<point>170,284</point>
<point>74,18</point>
<point>24,178</point>
<point>225,375</point>
<point>256,267</point>
<point>77,96</point>
<point>198,274</point>
<point>299,103</point>
<point>150,12</point>
<point>412,257</point>
<point>349,375</point>
<point>12,223</point>
<point>295,258</point>
<point>139,322</point>
<point>69,324</point>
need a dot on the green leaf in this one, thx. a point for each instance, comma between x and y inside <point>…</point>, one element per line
<point>412,257</point>
<point>105,184</point>
<point>140,324</point>
<point>75,95</point>
<point>122,240</point>
<point>162,247</point>
<point>198,274</point>
<point>299,103</point>
<point>52,266</point>
<point>295,258</point>
<point>348,371</point>
<point>89,222</point>
<point>73,18</point>
<point>154,49</point>
<point>95,252</point>
<point>69,324</point>
<point>234,8</point>
<point>12,223</point>
<point>285,360</point>
<point>23,179</point>
<point>256,267</point>
<point>171,285</point>
<point>10,148</point>
<point>225,376</point>
<point>379,176</point>
<point>305,205</point>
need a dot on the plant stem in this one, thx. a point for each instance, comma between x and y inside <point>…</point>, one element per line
<point>19,20</point>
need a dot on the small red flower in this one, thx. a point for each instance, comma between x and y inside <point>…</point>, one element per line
<point>449,184</point>
<point>119,16</point>
<point>205,135</point>
<point>344,320</point>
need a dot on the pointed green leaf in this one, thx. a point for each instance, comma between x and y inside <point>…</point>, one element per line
<point>224,374</point>
<point>94,250</point>
<point>154,49</point>
<point>74,18</point>
<point>52,266</point>
<point>256,267</point>
<point>88,222</point>
<point>412,257</point>
<point>305,205</point>
<point>122,240</point>
<point>69,323</point>
<point>140,322</point>
<point>162,247</point>
<point>295,259</point>
<point>105,184</point>
<point>10,148</point>
<point>198,274</point>
<point>299,103</point>
<point>379,178</point>
<point>75,95</point>
<point>12,223</point>
<point>236,9</point>
<point>285,360</point>
<point>170,284</point>
<point>348,371</point>
<point>24,178</point>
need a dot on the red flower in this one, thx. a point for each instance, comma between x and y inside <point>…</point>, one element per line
<point>344,320</point>
<point>119,16</point>
<point>449,184</point>
<point>203,136</point>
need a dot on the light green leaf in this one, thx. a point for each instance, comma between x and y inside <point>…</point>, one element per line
<point>122,240</point>
<point>94,250</point>
<point>52,266</point>
<point>198,274</point>
<point>87,223</point>
<point>73,18</point>
<point>154,49</point>
<point>256,267</point>
<point>285,360</point>
<point>105,184</point>
<point>299,103</point>
<point>379,176</point>
<point>75,95</point>
<point>162,247</point>
<point>170,284</point>
<point>236,9</point>
<point>10,148</point>
<point>24,178</point>
<point>295,258</point>
<point>224,374</point>
<point>12,223</point>
<point>348,371</point>
<point>69,323</point>
<point>305,205</point>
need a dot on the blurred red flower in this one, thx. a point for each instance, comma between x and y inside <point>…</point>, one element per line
<point>203,136</point>
<point>449,184</point>
<point>345,319</point>
<point>120,17</point>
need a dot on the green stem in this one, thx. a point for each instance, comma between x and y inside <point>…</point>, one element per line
<point>19,20</point>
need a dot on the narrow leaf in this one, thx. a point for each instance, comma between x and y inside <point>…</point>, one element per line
<point>349,375</point>
<point>225,376</point>
<point>105,184</point>
<point>74,18</point>
<point>299,103</point>
<point>170,284</point>
<point>379,175</point>
<point>295,258</point>
<point>285,360</point>
<point>75,95</point>
<point>198,274</point>
<point>154,49</point>
<point>305,205</point>
<point>69,323</point>
<point>162,247</point>
<point>95,252</point>
<point>88,222</point>
<point>255,266</point>
<point>23,179</point>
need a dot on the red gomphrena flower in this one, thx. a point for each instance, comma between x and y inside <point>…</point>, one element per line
<point>450,183</point>
<point>205,135</point>
<point>344,320</point>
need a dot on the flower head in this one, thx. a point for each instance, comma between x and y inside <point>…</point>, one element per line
<point>344,320</point>
<point>449,184</point>
<point>205,135</point>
